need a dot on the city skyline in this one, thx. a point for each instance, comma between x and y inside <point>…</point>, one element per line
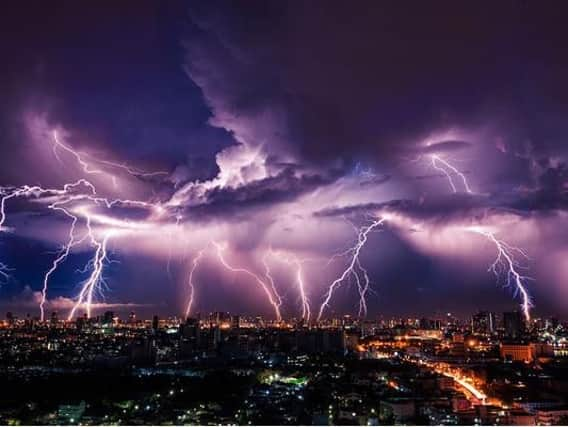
<point>272,212</point>
<point>277,159</point>
<point>490,370</point>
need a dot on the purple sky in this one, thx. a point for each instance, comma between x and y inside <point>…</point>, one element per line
<point>279,131</point>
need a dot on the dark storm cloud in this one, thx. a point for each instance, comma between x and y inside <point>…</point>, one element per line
<point>111,75</point>
<point>551,192</point>
<point>329,80</point>
<point>375,180</point>
<point>549,197</point>
<point>237,203</point>
<point>441,207</point>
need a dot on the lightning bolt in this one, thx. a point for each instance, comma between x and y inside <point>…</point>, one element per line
<point>297,263</point>
<point>100,256</point>
<point>66,200</point>
<point>353,269</point>
<point>87,166</point>
<point>306,312</point>
<point>363,287</point>
<point>85,297</point>
<point>79,191</point>
<point>190,283</point>
<point>506,264</point>
<point>63,254</point>
<point>268,275</point>
<point>38,192</point>
<point>437,159</point>
<point>265,287</point>
<point>4,272</point>
<point>72,192</point>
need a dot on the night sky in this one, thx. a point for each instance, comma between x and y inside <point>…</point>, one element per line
<point>279,131</point>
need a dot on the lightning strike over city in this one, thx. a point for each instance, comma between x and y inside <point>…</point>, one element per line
<point>354,270</point>
<point>190,282</point>
<point>283,213</point>
<point>506,264</point>
<point>297,264</point>
<point>220,251</point>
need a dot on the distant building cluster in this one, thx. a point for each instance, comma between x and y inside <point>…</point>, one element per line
<point>489,369</point>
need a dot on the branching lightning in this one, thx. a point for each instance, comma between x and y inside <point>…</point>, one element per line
<point>4,272</point>
<point>220,249</point>
<point>80,203</point>
<point>506,264</point>
<point>70,194</point>
<point>363,287</point>
<point>87,165</point>
<point>297,263</point>
<point>452,171</point>
<point>72,201</point>
<point>268,275</point>
<point>63,254</point>
<point>85,297</point>
<point>354,270</point>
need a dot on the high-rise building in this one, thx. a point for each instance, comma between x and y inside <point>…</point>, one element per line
<point>219,318</point>
<point>29,322</point>
<point>190,329</point>
<point>80,323</point>
<point>132,318</point>
<point>513,324</point>
<point>429,324</point>
<point>54,317</point>
<point>235,322</point>
<point>190,336</point>
<point>483,323</point>
<point>214,338</point>
<point>108,318</point>
<point>155,322</point>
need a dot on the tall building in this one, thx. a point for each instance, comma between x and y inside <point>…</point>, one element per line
<point>108,318</point>
<point>483,323</point>
<point>513,324</point>
<point>132,318</point>
<point>80,323</point>
<point>235,322</point>
<point>155,322</point>
<point>190,337</point>
<point>29,322</point>
<point>190,329</point>
<point>429,324</point>
<point>219,318</point>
